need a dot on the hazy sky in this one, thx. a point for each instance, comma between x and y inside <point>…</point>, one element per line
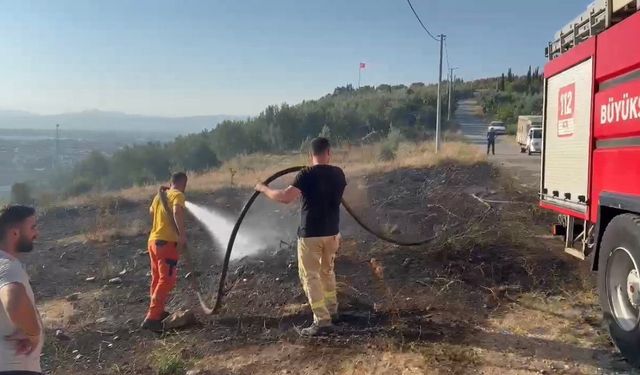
<point>237,56</point>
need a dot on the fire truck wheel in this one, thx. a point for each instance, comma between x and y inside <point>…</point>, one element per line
<point>619,283</point>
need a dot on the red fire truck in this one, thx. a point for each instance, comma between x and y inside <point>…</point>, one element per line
<point>591,155</point>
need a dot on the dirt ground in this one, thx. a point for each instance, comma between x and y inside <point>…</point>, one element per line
<point>492,294</point>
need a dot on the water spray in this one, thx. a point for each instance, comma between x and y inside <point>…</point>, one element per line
<point>217,302</point>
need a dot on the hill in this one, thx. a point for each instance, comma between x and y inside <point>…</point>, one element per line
<point>346,116</point>
<point>95,120</point>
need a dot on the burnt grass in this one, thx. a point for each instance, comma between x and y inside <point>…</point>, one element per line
<point>482,257</point>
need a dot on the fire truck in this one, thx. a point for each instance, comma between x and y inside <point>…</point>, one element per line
<point>590,168</point>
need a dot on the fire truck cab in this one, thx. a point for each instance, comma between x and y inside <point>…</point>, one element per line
<point>591,155</point>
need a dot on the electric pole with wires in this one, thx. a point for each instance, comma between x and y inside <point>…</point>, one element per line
<point>451,87</point>
<point>441,39</point>
<point>439,105</point>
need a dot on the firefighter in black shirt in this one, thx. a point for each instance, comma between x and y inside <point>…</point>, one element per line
<point>321,187</point>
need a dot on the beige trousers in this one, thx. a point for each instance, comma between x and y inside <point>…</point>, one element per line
<point>316,257</point>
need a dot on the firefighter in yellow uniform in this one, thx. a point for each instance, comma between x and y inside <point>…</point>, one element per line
<point>163,250</point>
<point>321,187</point>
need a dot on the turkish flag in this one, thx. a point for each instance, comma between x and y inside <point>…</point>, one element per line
<point>362,65</point>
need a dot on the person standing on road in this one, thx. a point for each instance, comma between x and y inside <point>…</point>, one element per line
<point>21,331</point>
<point>491,141</point>
<point>163,249</point>
<point>321,187</point>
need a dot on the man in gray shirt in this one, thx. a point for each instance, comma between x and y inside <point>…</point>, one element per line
<point>21,332</point>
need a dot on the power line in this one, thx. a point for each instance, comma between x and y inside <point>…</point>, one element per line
<point>440,39</point>
<point>422,24</point>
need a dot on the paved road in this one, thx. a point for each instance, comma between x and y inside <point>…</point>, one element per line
<point>524,168</point>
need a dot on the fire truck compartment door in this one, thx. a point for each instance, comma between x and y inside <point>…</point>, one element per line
<point>567,133</point>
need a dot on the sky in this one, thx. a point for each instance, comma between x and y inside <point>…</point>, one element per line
<point>183,58</point>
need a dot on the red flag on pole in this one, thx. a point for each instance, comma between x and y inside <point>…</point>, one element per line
<point>362,65</point>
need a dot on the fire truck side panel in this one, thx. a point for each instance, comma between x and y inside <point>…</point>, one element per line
<point>617,171</point>
<point>617,113</point>
<point>565,176</point>
<point>616,157</point>
<point>618,51</point>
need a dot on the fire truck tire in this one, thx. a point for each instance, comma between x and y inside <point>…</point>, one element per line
<point>618,281</point>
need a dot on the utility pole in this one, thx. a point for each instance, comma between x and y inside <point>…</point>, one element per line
<point>57,158</point>
<point>439,105</point>
<point>451,84</point>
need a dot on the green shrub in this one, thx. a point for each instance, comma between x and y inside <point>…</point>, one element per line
<point>79,186</point>
<point>21,193</point>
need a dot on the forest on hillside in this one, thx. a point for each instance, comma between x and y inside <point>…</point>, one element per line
<point>347,115</point>
<point>506,97</point>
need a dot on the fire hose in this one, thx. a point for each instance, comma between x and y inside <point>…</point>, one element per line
<point>217,301</point>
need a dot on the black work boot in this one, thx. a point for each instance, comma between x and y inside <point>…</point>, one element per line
<point>153,325</point>
<point>316,330</point>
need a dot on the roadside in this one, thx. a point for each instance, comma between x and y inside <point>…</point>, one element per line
<point>581,309</point>
<point>525,169</point>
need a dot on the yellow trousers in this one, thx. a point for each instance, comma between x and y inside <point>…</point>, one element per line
<point>316,257</point>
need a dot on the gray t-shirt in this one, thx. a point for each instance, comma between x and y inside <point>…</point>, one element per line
<point>11,271</point>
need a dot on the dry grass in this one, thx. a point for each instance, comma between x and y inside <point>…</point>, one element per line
<point>107,226</point>
<point>457,358</point>
<point>246,171</point>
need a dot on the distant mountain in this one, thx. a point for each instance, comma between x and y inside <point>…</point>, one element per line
<point>95,120</point>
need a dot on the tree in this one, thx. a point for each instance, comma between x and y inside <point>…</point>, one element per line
<point>197,158</point>
<point>509,75</point>
<point>79,186</point>
<point>506,114</point>
<point>519,86</point>
<point>325,132</point>
<point>21,193</point>
<point>345,114</point>
<point>230,139</point>
<point>95,167</point>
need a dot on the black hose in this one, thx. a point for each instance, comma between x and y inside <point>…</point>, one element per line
<point>225,267</point>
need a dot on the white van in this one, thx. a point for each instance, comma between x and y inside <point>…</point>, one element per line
<point>534,141</point>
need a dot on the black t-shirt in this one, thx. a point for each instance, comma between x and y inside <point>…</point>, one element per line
<point>322,187</point>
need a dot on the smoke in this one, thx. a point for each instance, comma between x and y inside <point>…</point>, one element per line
<point>248,242</point>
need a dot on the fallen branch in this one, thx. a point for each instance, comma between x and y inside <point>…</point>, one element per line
<point>105,333</point>
<point>481,200</point>
<point>501,290</point>
<point>443,209</point>
<point>444,288</point>
<point>487,201</point>
<point>357,291</point>
<point>99,355</point>
<point>225,339</point>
